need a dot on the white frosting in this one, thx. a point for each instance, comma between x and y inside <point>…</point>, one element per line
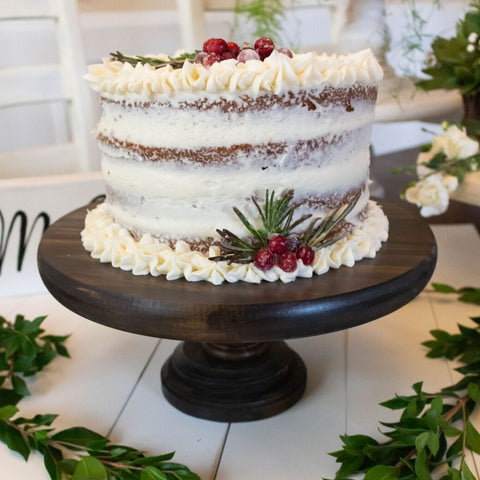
<point>278,73</point>
<point>111,243</point>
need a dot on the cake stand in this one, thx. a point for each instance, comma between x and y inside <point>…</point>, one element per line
<point>234,364</point>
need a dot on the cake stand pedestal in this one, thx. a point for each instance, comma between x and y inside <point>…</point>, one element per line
<point>233,364</point>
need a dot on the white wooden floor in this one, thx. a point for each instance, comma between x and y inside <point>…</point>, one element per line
<point>112,385</point>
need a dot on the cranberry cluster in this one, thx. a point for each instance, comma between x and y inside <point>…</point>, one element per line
<point>287,251</point>
<point>216,50</point>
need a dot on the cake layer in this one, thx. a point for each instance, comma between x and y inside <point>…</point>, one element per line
<point>169,126</point>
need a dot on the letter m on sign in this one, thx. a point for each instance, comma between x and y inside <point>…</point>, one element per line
<point>24,237</point>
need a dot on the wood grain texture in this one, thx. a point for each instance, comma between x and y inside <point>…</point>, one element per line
<point>240,312</point>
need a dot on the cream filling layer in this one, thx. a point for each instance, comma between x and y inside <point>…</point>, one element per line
<point>157,180</point>
<point>109,242</point>
<point>160,127</point>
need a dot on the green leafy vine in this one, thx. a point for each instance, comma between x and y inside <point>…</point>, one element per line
<point>75,453</point>
<point>434,431</point>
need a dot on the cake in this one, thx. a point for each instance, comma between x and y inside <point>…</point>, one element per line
<point>194,147</point>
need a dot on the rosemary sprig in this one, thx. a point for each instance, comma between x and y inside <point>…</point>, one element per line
<point>434,431</point>
<point>174,62</point>
<point>75,453</point>
<point>277,217</point>
<point>316,236</point>
<point>235,249</point>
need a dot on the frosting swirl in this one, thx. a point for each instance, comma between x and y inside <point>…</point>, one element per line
<point>278,73</point>
<point>110,243</point>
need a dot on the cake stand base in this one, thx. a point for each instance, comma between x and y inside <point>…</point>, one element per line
<point>233,382</point>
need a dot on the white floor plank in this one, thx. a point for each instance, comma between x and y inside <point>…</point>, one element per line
<point>458,253</point>
<point>149,422</point>
<point>385,357</point>
<point>293,444</point>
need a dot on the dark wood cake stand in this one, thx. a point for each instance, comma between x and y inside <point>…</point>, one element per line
<point>234,365</point>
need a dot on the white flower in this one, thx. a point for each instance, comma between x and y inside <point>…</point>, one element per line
<point>450,182</point>
<point>470,48</point>
<point>455,143</point>
<point>431,194</point>
<point>473,37</point>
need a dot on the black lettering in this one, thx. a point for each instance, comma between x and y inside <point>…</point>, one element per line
<point>24,237</point>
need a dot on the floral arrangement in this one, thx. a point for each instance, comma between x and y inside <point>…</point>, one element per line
<point>441,167</point>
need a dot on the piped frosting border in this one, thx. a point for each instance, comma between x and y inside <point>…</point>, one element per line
<point>109,242</point>
<point>278,73</point>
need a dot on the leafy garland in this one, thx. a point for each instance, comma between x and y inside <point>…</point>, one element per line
<point>76,453</point>
<point>434,430</point>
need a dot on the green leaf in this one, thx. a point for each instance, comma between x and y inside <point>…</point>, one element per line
<point>89,468</point>
<point>12,345</point>
<point>382,472</point>
<point>152,473</point>
<point>20,386</point>
<point>14,440</point>
<point>9,397</point>
<point>454,474</point>
<point>433,442</point>
<point>8,411</point>
<point>421,466</point>
<point>470,297</point>
<point>421,441</point>
<point>473,391</point>
<point>472,437</point>
<point>154,459</point>
<point>443,288</point>
<point>51,465</point>
<point>467,473</point>
<point>82,437</point>
<point>68,465</point>
<point>37,420</point>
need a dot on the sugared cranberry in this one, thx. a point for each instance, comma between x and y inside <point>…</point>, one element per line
<point>234,48</point>
<point>288,262</point>
<point>247,54</point>
<point>199,57</point>
<point>286,51</point>
<point>278,244</point>
<point>293,242</point>
<point>227,55</point>
<point>264,47</point>
<point>265,259</point>
<point>210,59</point>
<point>215,45</point>
<point>306,254</point>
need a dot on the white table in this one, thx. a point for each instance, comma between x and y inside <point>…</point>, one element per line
<point>111,384</point>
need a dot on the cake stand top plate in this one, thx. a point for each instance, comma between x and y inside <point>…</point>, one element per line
<point>238,312</point>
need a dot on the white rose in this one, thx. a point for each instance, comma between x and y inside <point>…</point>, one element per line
<point>450,182</point>
<point>454,143</point>
<point>431,194</point>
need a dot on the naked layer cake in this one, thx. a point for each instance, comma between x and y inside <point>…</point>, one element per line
<point>199,151</point>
